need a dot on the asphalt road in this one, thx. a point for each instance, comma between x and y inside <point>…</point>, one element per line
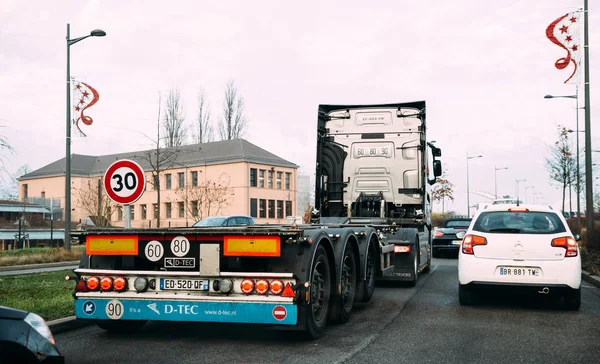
<point>424,324</point>
<point>39,268</point>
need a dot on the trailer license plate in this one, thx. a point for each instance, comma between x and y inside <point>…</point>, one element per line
<point>518,271</point>
<point>167,284</point>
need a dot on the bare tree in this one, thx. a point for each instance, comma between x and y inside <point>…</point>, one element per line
<point>11,189</point>
<point>206,199</point>
<point>561,162</point>
<point>202,131</point>
<point>175,133</point>
<point>443,189</point>
<point>4,146</point>
<point>92,199</point>
<point>234,122</point>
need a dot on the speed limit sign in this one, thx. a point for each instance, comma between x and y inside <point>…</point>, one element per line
<point>124,181</point>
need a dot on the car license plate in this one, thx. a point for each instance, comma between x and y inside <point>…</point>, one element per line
<point>174,284</point>
<point>457,242</point>
<point>519,271</point>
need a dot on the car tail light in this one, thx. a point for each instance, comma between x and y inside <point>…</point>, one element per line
<point>276,287</point>
<point>568,243</point>
<point>120,284</point>
<point>106,283</point>
<point>438,234</point>
<point>518,209</point>
<point>288,291</point>
<point>470,241</point>
<point>247,286</point>
<point>401,249</point>
<point>93,283</point>
<point>262,286</point>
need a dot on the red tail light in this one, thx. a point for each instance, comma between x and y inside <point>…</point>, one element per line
<point>93,283</point>
<point>120,284</point>
<point>276,287</point>
<point>438,234</point>
<point>262,286</point>
<point>106,283</point>
<point>401,249</point>
<point>518,209</point>
<point>81,287</point>
<point>288,291</point>
<point>247,286</point>
<point>568,243</point>
<point>470,241</point>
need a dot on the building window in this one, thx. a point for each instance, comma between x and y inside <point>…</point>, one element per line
<point>43,194</point>
<point>168,181</point>
<point>288,208</point>
<point>132,212</point>
<point>261,178</point>
<point>288,177</point>
<point>253,207</point>
<point>120,213</point>
<point>263,209</point>
<point>181,176</point>
<point>271,209</point>
<point>194,208</point>
<point>155,209</point>
<point>194,178</point>
<point>279,174</point>
<point>156,180</point>
<point>143,211</point>
<point>181,209</point>
<point>168,210</point>
<point>25,191</point>
<point>270,179</point>
<point>279,209</point>
<point>253,177</point>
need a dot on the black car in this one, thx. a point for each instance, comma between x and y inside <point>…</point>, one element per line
<point>25,338</point>
<point>236,220</point>
<point>444,238</point>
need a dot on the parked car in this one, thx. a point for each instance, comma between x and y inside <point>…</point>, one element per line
<point>236,220</point>
<point>25,338</point>
<point>523,248</point>
<point>444,238</point>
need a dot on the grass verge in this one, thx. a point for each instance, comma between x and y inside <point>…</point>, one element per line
<point>47,294</point>
<point>39,255</point>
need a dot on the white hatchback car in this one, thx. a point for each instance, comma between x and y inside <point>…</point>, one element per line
<point>522,247</point>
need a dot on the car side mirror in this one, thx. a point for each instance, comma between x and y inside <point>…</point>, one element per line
<point>461,234</point>
<point>577,237</point>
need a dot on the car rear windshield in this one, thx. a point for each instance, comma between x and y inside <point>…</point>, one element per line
<point>528,222</point>
<point>458,223</point>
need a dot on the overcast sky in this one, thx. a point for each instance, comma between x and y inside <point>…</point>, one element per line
<point>483,68</point>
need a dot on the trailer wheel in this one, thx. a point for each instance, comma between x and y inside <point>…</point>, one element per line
<point>414,251</point>
<point>119,326</point>
<point>428,266</point>
<point>341,306</point>
<point>320,292</point>
<point>369,286</point>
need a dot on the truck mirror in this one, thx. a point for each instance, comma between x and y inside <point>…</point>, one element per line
<point>437,152</point>
<point>437,168</point>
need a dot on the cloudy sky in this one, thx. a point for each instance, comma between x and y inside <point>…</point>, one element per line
<point>482,67</point>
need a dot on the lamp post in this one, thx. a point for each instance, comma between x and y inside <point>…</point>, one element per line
<point>526,188</point>
<point>495,182</point>
<point>517,182</point>
<point>70,42</point>
<point>535,194</point>
<point>468,202</point>
<point>577,186</point>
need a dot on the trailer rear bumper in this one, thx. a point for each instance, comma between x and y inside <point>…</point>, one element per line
<point>186,310</point>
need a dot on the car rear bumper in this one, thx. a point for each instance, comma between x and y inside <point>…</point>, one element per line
<point>522,288</point>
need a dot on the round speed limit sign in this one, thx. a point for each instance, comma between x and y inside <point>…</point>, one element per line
<point>124,181</point>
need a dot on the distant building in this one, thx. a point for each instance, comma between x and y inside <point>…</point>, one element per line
<point>256,183</point>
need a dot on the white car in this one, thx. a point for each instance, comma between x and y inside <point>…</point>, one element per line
<point>523,247</point>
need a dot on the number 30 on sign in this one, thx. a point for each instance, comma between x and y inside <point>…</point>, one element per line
<point>124,181</point>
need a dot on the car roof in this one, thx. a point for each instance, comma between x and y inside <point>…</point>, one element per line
<point>506,207</point>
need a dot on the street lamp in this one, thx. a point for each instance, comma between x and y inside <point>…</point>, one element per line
<point>70,42</point>
<point>576,97</point>
<point>526,188</point>
<point>535,194</point>
<point>468,202</point>
<point>517,182</point>
<point>495,182</point>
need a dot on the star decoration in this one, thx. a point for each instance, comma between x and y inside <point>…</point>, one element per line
<point>78,86</point>
<point>81,101</point>
<point>564,29</point>
<point>77,108</point>
<point>573,19</point>
<point>86,94</point>
<point>569,38</point>
<point>575,47</point>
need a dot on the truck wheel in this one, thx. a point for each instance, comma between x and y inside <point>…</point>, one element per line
<point>427,268</point>
<point>120,326</point>
<point>342,305</point>
<point>369,286</point>
<point>320,292</point>
<point>414,251</point>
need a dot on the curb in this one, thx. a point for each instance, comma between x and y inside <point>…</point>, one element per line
<point>590,278</point>
<point>67,324</point>
<point>37,266</point>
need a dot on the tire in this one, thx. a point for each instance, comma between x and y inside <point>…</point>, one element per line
<point>466,297</point>
<point>427,268</point>
<point>369,286</point>
<point>342,304</point>
<point>572,300</point>
<point>414,251</point>
<point>320,293</point>
<point>120,326</point>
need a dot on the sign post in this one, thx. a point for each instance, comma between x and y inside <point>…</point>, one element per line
<point>124,183</point>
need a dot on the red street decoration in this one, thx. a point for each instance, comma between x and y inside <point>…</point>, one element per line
<point>87,96</point>
<point>564,32</point>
